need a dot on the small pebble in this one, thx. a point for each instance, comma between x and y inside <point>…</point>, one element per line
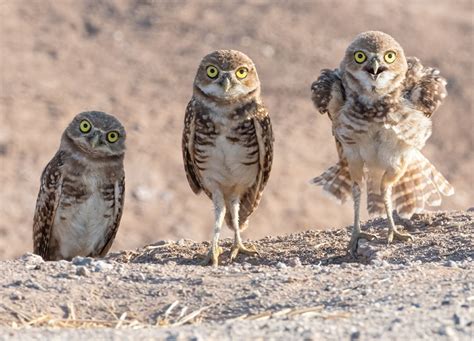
<point>100,266</point>
<point>31,258</point>
<point>281,265</point>
<point>82,271</point>
<point>14,296</point>
<point>446,331</point>
<point>78,260</point>
<point>451,264</point>
<point>295,261</point>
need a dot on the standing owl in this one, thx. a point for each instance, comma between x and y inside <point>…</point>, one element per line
<point>380,104</point>
<point>228,143</point>
<point>81,196</point>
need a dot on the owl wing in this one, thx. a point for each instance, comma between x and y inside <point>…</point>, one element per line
<point>327,92</point>
<point>47,204</point>
<point>424,87</point>
<point>118,199</point>
<point>264,133</point>
<point>328,96</point>
<point>188,149</point>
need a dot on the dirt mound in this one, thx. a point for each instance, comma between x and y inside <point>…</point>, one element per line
<point>438,237</point>
<point>302,286</point>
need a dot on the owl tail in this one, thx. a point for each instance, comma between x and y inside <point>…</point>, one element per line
<point>422,185</point>
<point>336,181</point>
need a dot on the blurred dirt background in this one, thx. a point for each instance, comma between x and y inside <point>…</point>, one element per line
<point>137,60</point>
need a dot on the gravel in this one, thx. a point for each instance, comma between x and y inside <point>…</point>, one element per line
<point>302,286</point>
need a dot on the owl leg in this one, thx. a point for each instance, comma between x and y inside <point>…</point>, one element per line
<point>356,232</point>
<point>215,250</point>
<point>238,246</point>
<point>388,179</point>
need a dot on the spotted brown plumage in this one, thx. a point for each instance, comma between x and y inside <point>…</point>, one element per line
<point>81,196</point>
<point>228,143</point>
<point>380,125</point>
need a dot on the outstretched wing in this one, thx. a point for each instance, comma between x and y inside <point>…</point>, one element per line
<point>47,204</point>
<point>188,149</point>
<point>115,194</point>
<point>424,87</point>
<point>328,93</point>
<point>263,130</point>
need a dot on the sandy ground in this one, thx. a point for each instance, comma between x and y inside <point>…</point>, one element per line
<point>137,60</point>
<point>303,286</point>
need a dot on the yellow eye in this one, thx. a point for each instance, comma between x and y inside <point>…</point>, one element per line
<point>390,57</point>
<point>212,71</point>
<point>242,72</point>
<point>360,57</point>
<point>85,126</point>
<point>113,136</point>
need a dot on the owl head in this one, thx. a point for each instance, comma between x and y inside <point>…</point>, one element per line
<point>375,63</point>
<point>97,134</point>
<point>226,75</point>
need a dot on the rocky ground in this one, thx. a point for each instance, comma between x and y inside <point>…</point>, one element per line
<point>302,286</point>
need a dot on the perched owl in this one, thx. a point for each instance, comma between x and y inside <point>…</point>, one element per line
<point>228,143</point>
<point>380,104</point>
<point>81,196</point>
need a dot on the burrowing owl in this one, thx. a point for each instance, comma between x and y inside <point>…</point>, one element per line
<point>228,143</point>
<point>81,197</point>
<point>380,105</point>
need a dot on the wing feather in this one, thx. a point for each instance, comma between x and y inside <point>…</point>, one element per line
<point>118,200</point>
<point>425,88</point>
<point>263,129</point>
<point>47,204</point>
<point>188,149</point>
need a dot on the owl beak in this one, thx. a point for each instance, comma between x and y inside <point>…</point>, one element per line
<point>374,68</point>
<point>374,65</point>
<point>225,83</point>
<point>94,140</point>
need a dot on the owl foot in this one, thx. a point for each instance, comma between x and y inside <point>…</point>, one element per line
<point>354,242</point>
<point>212,257</point>
<point>240,248</point>
<point>394,234</point>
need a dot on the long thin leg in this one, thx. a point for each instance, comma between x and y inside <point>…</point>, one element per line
<point>238,246</point>
<point>356,232</point>
<point>215,250</point>
<point>393,233</point>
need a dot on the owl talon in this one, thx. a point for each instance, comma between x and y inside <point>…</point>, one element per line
<point>354,242</point>
<point>393,234</point>
<point>212,257</point>
<point>240,248</point>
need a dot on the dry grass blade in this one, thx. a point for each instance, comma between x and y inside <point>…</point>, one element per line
<point>170,308</point>
<point>287,312</point>
<point>306,311</point>
<point>120,321</point>
<point>21,316</point>
<point>261,316</point>
<point>71,313</point>
<point>282,312</point>
<point>189,317</point>
<point>183,311</point>
<point>153,247</point>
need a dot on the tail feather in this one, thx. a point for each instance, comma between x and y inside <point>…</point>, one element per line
<point>422,185</point>
<point>336,181</point>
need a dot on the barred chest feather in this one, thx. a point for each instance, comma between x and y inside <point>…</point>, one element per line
<point>226,150</point>
<point>85,211</point>
<point>382,132</point>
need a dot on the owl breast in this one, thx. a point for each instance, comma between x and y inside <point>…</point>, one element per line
<point>231,156</point>
<point>83,216</point>
<point>382,141</point>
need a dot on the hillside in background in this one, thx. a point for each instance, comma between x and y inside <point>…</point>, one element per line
<point>137,60</point>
